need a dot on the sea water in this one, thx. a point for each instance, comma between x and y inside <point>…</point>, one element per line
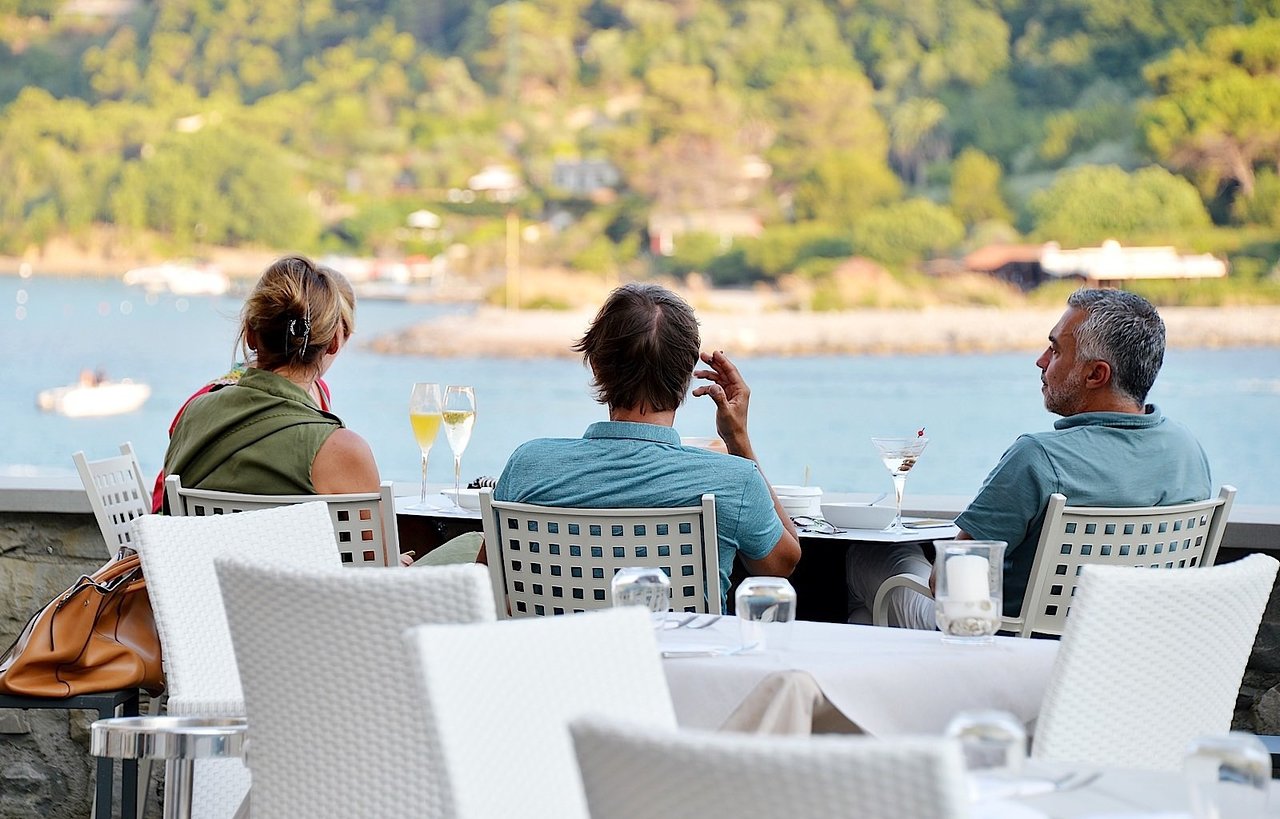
<point>811,417</point>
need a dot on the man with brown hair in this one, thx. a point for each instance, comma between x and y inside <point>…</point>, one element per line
<point>642,348</point>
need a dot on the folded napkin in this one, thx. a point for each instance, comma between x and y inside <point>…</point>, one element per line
<point>985,786</point>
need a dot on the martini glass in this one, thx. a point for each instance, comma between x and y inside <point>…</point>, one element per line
<point>425,416</point>
<point>899,454</point>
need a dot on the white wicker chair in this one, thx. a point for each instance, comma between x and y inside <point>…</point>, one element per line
<point>117,494</point>
<point>1149,661</point>
<point>200,670</point>
<point>364,523</point>
<point>551,560</point>
<point>336,726</point>
<point>500,696</point>
<point>1166,537</point>
<point>641,772</point>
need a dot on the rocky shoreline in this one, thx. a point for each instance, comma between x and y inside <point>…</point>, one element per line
<point>492,332</point>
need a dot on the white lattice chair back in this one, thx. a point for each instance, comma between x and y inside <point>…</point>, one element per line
<point>200,669</point>
<point>329,690</point>
<point>117,494</point>
<point>642,772</point>
<point>500,697</point>
<point>550,560</point>
<point>1149,661</point>
<point>1158,537</point>
<point>364,523</point>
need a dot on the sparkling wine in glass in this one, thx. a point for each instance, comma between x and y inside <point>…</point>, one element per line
<point>899,454</point>
<point>459,417</point>
<point>425,416</point>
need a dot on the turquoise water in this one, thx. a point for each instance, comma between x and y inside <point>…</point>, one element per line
<point>810,415</point>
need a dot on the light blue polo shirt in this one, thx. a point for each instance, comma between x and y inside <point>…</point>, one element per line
<point>1094,459</point>
<point>624,464</point>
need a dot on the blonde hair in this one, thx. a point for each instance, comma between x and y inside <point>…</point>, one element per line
<point>294,313</point>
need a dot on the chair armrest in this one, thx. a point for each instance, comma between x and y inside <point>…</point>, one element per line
<point>879,613</point>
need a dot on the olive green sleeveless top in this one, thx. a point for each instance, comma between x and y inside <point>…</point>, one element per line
<point>258,436</point>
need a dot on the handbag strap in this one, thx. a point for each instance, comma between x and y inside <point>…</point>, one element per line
<point>119,571</point>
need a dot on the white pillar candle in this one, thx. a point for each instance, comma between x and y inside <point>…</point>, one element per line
<point>967,579</point>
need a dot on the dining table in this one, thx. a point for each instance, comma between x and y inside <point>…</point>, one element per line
<point>837,677</point>
<point>819,578</point>
<point>1063,790</point>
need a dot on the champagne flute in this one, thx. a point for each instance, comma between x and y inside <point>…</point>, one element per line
<point>899,455</point>
<point>459,416</point>
<point>425,416</point>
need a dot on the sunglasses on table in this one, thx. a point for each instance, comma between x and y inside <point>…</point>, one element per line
<point>808,523</point>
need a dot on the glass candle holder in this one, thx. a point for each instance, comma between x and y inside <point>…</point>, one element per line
<point>991,740</point>
<point>643,586</point>
<point>766,607</point>
<point>1227,775</point>
<point>969,590</point>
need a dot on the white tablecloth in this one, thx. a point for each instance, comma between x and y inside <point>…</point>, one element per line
<point>884,681</point>
<point>1114,794</point>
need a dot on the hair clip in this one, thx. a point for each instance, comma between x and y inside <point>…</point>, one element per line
<point>292,332</point>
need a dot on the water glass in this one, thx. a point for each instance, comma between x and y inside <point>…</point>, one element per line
<point>766,607</point>
<point>969,590</point>
<point>990,740</point>
<point>1227,776</point>
<point>642,586</point>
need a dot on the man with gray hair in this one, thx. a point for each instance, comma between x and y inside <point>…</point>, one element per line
<point>1110,448</point>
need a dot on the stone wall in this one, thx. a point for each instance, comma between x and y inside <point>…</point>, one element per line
<point>45,767</point>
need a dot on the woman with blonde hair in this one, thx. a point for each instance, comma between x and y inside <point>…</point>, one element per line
<point>269,433</point>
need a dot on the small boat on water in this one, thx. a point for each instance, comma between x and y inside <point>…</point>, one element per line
<point>181,279</point>
<point>87,400</point>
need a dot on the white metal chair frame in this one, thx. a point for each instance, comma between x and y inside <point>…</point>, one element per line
<point>1185,535</point>
<point>117,493</point>
<point>551,560</point>
<point>364,523</point>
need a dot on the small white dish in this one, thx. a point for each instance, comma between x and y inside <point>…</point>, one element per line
<point>799,500</point>
<point>466,498</point>
<point>857,515</point>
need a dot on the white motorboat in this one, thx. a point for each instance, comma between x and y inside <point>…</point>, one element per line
<point>180,279</point>
<point>89,400</point>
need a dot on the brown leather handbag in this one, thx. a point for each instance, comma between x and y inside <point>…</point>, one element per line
<point>98,635</point>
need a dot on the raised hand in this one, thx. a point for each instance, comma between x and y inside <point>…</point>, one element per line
<point>732,396</point>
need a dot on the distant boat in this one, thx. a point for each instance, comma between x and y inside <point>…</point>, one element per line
<point>90,400</point>
<point>180,279</point>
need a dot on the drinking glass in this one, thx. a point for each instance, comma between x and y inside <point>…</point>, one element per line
<point>989,740</point>
<point>1227,775</point>
<point>459,413</point>
<point>424,415</point>
<point>643,586</point>
<point>899,454</point>
<point>766,607</point>
<point>969,593</point>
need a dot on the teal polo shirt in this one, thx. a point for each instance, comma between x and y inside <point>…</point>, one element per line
<point>1094,459</point>
<point>623,464</point>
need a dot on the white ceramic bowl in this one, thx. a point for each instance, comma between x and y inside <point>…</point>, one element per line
<point>466,498</point>
<point>857,515</point>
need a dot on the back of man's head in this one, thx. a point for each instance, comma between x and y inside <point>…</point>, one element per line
<point>1124,330</point>
<point>642,347</point>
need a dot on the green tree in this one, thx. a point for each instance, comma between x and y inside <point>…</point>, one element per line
<point>1089,204</point>
<point>975,189</point>
<point>907,231</point>
<point>1217,113</point>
